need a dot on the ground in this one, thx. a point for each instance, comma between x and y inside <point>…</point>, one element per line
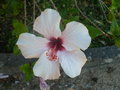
<point>101,72</point>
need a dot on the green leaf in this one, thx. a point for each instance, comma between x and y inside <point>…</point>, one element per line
<point>16,50</point>
<point>19,28</point>
<point>115,4</point>
<point>27,70</point>
<point>111,16</point>
<point>14,6</point>
<point>115,28</point>
<point>72,18</point>
<point>94,32</point>
<point>117,42</point>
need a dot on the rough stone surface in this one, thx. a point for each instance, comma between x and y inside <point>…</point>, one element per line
<point>101,72</point>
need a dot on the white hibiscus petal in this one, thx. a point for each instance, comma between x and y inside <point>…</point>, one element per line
<point>47,23</point>
<point>46,69</point>
<point>72,62</point>
<point>31,46</point>
<point>76,36</point>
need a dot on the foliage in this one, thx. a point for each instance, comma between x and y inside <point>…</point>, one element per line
<point>27,70</point>
<point>115,28</point>
<point>19,28</point>
<point>94,32</point>
<point>115,4</point>
<point>11,7</point>
<point>68,11</point>
<point>115,25</point>
<point>102,13</point>
<point>117,42</point>
<point>14,6</point>
<point>9,10</point>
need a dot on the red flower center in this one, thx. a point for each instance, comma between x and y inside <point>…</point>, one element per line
<point>55,45</point>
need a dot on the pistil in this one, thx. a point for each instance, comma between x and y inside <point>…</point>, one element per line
<point>54,45</point>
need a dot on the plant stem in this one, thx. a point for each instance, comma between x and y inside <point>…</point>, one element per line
<point>43,84</point>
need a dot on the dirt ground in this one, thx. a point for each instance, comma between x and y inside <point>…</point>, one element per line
<point>101,72</point>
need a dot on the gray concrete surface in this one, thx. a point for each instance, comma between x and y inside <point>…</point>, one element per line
<point>101,72</point>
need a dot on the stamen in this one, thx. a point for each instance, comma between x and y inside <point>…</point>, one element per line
<point>47,54</point>
<point>51,54</point>
<point>54,45</point>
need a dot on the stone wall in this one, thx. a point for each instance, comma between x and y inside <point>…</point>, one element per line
<point>101,72</point>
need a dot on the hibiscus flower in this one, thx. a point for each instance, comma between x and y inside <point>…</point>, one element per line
<point>55,48</point>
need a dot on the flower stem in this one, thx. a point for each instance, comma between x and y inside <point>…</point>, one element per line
<point>43,84</point>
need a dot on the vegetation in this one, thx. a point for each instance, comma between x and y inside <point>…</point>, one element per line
<point>102,18</point>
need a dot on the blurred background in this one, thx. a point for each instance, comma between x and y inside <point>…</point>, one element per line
<point>102,18</point>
